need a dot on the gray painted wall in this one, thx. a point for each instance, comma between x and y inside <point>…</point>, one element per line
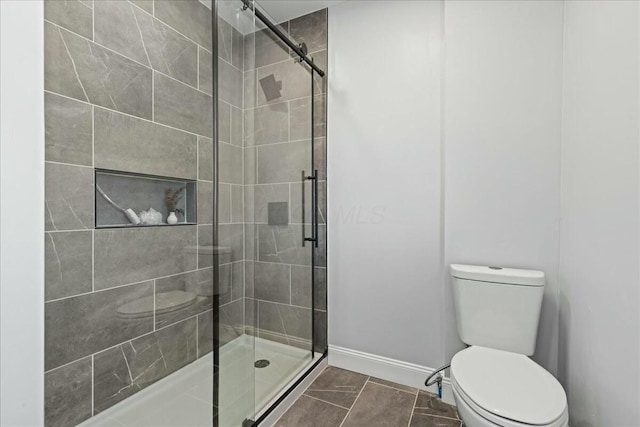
<point>600,234</point>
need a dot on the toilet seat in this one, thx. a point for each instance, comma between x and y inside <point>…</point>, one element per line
<point>508,389</point>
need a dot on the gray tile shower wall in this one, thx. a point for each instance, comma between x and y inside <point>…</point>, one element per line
<point>277,147</point>
<point>128,87</point>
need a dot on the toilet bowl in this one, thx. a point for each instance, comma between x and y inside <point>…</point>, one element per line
<point>500,388</point>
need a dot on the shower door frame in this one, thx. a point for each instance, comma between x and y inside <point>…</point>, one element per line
<point>314,69</point>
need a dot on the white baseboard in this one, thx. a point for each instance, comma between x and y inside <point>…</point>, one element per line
<point>399,372</point>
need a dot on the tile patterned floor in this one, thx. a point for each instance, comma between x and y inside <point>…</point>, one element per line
<point>340,398</point>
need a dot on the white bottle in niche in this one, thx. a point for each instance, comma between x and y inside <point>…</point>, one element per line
<point>172,218</point>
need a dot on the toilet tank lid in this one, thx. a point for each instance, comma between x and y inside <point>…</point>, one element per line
<point>508,276</point>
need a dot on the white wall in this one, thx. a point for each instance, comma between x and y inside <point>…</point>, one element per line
<point>502,147</point>
<point>600,281</point>
<point>21,213</point>
<point>384,179</point>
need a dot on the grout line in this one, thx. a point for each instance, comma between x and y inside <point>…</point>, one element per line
<point>323,401</point>
<point>68,164</point>
<point>131,339</point>
<point>154,304</point>
<point>127,284</point>
<point>354,403</point>
<point>127,114</point>
<point>413,410</point>
<point>388,386</point>
<point>93,385</point>
<point>93,261</point>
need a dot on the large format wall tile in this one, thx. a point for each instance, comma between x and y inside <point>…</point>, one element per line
<point>125,143</point>
<point>237,203</point>
<point>300,121</point>
<point>79,326</point>
<point>230,166</point>
<point>301,287</point>
<point>283,162</point>
<point>273,282</point>
<point>262,196</point>
<point>68,266</point>
<point>205,202</point>
<point>232,236</point>
<point>310,29</point>
<point>205,72</point>
<point>231,321</point>
<point>205,333</point>
<point>189,17</point>
<point>146,5</point>
<point>269,48</point>
<point>83,70</point>
<point>199,282</point>
<point>230,84</point>
<point>283,244</point>
<point>284,320</point>
<point>137,35</point>
<point>267,124</point>
<point>130,367</point>
<point>68,197</point>
<point>67,394</point>
<point>68,130</point>
<point>181,106</point>
<point>133,255</point>
<point>74,15</point>
<point>295,78</point>
<point>205,158</point>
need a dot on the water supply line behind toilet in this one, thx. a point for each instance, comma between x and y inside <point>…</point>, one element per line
<point>439,377</point>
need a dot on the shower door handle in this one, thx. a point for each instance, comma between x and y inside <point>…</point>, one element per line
<point>314,206</point>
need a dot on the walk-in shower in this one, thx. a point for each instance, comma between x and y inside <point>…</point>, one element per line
<point>185,210</point>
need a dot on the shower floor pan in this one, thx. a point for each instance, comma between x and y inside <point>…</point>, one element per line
<point>185,398</point>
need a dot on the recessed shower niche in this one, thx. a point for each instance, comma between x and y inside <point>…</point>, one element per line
<point>126,199</point>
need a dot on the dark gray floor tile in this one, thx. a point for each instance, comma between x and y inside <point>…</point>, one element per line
<point>130,367</point>
<point>118,147</point>
<point>381,406</point>
<point>84,70</point>
<point>337,386</point>
<point>79,326</point>
<point>272,282</point>
<point>419,420</point>
<point>137,35</point>
<point>189,17</point>
<point>68,197</point>
<point>310,412</point>
<point>181,106</point>
<point>429,404</point>
<point>133,255</point>
<point>67,394</point>
<point>68,264</point>
<point>68,130</point>
<point>393,385</point>
<point>74,15</point>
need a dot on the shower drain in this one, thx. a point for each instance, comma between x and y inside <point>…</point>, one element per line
<point>262,363</point>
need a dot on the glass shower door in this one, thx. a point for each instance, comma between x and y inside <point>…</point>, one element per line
<point>266,189</point>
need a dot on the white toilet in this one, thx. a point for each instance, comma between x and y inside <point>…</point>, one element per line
<point>494,382</point>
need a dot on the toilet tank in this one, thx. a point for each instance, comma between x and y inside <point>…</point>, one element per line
<point>498,307</point>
